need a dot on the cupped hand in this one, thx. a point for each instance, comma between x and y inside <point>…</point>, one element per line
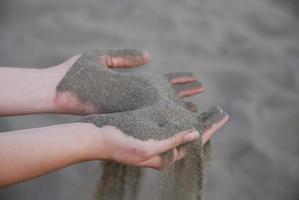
<point>132,151</point>
<point>141,137</point>
<point>89,84</point>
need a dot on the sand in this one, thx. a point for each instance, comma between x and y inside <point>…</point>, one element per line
<point>144,107</point>
<point>245,53</point>
<point>112,91</point>
<point>158,122</point>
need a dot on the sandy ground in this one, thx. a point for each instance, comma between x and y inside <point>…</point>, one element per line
<point>245,52</point>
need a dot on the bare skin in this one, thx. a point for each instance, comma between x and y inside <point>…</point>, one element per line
<point>186,84</point>
<point>42,83</point>
<point>26,154</point>
<point>35,152</point>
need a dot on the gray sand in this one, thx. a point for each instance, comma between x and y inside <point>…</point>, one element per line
<point>150,110</point>
<point>184,179</point>
<point>112,91</point>
<point>246,53</point>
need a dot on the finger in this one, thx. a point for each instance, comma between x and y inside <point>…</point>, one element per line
<point>188,89</point>
<point>158,147</point>
<point>174,154</point>
<point>211,120</point>
<point>178,155</point>
<point>181,77</point>
<point>207,135</point>
<point>156,162</point>
<point>125,58</point>
<point>190,106</point>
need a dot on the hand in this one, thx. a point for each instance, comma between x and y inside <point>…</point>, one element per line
<point>116,146</point>
<point>34,152</point>
<point>152,132</point>
<point>86,84</point>
<point>89,85</point>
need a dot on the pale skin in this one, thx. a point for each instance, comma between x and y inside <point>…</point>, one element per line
<point>26,154</point>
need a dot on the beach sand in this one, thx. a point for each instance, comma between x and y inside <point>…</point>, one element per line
<point>246,53</point>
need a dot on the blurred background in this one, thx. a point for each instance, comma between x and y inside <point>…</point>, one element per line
<point>245,52</point>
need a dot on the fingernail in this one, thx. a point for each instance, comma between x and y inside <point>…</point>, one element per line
<point>191,136</point>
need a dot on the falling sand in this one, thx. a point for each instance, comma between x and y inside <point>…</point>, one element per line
<point>144,107</point>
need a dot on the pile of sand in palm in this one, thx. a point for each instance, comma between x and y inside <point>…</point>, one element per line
<point>145,107</point>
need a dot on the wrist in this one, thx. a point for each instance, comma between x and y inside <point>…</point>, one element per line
<point>94,146</point>
<point>49,80</point>
<point>82,140</point>
<point>52,77</point>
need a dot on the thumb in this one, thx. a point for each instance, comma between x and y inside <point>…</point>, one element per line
<point>125,58</point>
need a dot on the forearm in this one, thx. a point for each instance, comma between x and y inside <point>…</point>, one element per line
<point>27,91</point>
<point>26,154</point>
